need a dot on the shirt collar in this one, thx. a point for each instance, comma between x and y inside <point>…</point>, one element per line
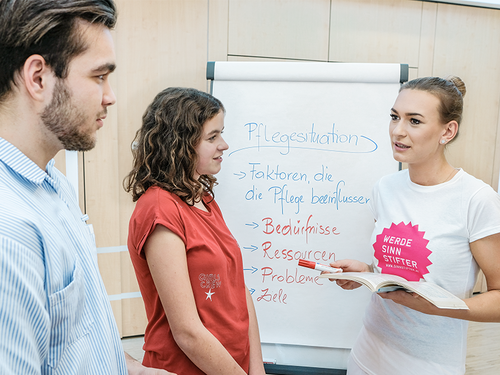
<point>21,164</point>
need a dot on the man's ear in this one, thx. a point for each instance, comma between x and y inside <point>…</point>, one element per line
<point>37,78</point>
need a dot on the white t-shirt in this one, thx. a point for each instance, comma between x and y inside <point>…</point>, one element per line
<point>424,232</point>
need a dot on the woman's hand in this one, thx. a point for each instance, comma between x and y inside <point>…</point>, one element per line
<point>136,368</point>
<point>350,265</point>
<point>483,307</point>
<point>413,301</point>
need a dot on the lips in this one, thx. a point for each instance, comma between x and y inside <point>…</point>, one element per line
<point>100,122</point>
<point>102,115</point>
<point>400,145</point>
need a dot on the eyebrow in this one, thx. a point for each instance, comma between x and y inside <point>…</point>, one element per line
<point>215,131</point>
<point>107,67</point>
<point>409,114</point>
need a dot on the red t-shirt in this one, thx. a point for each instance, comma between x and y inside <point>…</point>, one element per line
<point>215,269</point>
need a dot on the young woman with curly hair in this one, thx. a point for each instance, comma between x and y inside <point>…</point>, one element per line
<point>201,318</point>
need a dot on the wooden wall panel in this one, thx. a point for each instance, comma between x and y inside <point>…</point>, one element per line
<point>218,24</point>
<point>159,43</point>
<point>133,312</point>
<point>294,29</point>
<point>375,31</point>
<point>101,183</point>
<point>467,44</point>
<point>134,319</point>
<point>427,40</point>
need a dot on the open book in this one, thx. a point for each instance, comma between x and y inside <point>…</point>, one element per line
<point>381,282</point>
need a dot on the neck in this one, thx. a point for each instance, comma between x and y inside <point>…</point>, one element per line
<point>22,128</point>
<point>432,175</point>
<point>200,205</point>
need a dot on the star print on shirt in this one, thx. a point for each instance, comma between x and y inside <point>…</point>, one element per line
<point>209,294</point>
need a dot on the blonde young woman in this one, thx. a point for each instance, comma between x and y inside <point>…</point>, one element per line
<point>201,318</point>
<point>449,222</point>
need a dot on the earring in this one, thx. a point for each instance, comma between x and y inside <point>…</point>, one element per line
<point>443,141</point>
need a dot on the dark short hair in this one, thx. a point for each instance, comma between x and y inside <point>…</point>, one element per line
<point>164,148</point>
<point>48,28</point>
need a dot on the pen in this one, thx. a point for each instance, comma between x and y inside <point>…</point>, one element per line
<point>318,266</point>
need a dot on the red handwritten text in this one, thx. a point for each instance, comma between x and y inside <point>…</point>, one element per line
<point>289,254</point>
<point>306,229</point>
<point>289,277</point>
<point>268,296</point>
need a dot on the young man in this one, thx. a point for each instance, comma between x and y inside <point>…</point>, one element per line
<point>55,318</point>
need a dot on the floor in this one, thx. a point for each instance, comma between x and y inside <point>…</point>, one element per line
<point>483,348</point>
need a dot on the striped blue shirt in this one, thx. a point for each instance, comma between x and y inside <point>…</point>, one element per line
<point>55,317</point>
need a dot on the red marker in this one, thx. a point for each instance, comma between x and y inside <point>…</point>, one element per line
<point>318,266</point>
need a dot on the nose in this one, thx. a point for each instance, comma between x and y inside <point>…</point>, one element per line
<point>223,145</point>
<point>108,95</point>
<point>397,128</point>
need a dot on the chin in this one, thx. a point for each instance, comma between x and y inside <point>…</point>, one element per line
<point>399,158</point>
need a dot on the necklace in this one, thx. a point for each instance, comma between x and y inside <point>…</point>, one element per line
<point>427,180</point>
<point>450,176</point>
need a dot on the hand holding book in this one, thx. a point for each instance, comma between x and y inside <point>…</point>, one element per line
<point>379,283</point>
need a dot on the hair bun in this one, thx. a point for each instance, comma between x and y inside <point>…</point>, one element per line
<point>459,84</point>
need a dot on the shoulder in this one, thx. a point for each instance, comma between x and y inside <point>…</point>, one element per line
<point>478,196</point>
<point>156,195</point>
<point>475,189</point>
<point>388,181</point>
<point>20,219</point>
<point>157,203</point>
<point>472,182</point>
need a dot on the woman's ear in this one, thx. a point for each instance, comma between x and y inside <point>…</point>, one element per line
<point>37,78</point>
<point>450,132</point>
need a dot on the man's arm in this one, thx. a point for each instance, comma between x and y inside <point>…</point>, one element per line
<point>24,319</point>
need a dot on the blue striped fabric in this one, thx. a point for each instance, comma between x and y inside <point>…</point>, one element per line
<point>55,317</point>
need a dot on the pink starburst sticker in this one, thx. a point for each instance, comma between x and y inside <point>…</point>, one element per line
<point>402,250</point>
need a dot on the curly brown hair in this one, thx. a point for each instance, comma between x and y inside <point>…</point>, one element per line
<point>164,148</point>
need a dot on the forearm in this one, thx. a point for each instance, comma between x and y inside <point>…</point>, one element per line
<point>256,362</point>
<point>484,307</point>
<point>132,364</point>
<point>166,256</point>
<point>206,352</point>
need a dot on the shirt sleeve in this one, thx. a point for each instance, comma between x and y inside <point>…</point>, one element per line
<point>24,320</point>
<point>484,214</point>
<point>155,207</point>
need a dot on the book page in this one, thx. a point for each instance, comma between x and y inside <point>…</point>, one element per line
<point>437,295</point>
<point>431,292</point>
<point>372,280</point>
